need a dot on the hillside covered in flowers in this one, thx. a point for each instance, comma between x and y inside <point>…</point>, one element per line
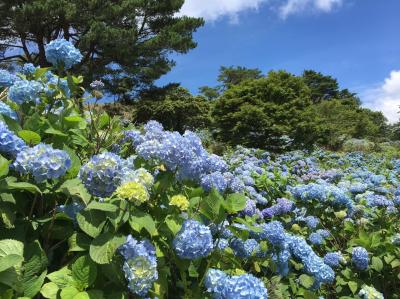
<point>95,207</point>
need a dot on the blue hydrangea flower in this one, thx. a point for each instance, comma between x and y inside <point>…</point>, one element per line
<point>28,69</point>
<point>71,209</point>
<point>97,84</point>
<point>245,286</point>
<point>6,110</point>
<point>215,282</point>
<point>140,266</point>
<point>102,174</point>
<point>6,78</point>
<point>10,144</point>
<point>360,258</point>
<point>62,52</point>
<point>244,249</point>
<point>311,221</point>
<point>214,180</point>
<point>56,82</point>
<point>43,162</point>
<point>316,239</point>
<point>25,91</point>
<point>194,240</point>
<point>316,267</point>
<point>333,259</point>
<point>222,286</point>
<point>273,232</point>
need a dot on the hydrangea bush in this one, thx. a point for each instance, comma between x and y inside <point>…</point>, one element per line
<point>91,208</point>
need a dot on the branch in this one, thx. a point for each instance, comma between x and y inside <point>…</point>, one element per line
<point>13,57</point>
<point>10,45</point>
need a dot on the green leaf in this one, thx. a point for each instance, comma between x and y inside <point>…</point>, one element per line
<point>140,220</point>
<point>173,224</point>
<point>82,295</point>
<point>62,278</point>
<point>78,242</point>
<point>91,222</point>
<point>75,163</point>
<point>75,189</point>
<point>84,272</point>
<point>52,131</point>
<point>104,120</point>
<point>12,185</point>
<point>306,281</point>
<point>33,285</point>
<point>235,203</point>
<point>49,290</point>
<point>68,293</point>
<point>3,166</point>
<point>210,205</point>
<point>106,207</point>
<point>377,264</point>
<point>353,286</point>
<point>104,246</point>
<point>9,246</point>
<point>30,137</point>
<point>9,261</point>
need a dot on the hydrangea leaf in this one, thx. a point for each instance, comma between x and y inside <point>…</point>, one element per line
<point>9,261</point>
<point>91,222</point>
<point>49,290</point>
<point>84,272</point>
<point>235,203</point>
<point>104,246</point>
<point>30,137</point>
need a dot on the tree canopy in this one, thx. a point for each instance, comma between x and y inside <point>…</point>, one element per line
<point>125,42</point>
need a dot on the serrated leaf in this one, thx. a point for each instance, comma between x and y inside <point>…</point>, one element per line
<point>235,203</point>
<point>104,246</point>
<point>9,246</point>
<point>78,242</point>
<point>68,293</point>
<point>49,290</point>
<point>377,264</point>
<point>62,278</point>
<point>30,137</point>
<point>75,189</point>
<point>353,286</point>
<point>4,166</point>
<point>306,281</point>
<point>9,261</point>
<point>84,272</point>
<point>91,222</point>
<point>33,285</point>
<point>106,207</point>
<point>140,220</point>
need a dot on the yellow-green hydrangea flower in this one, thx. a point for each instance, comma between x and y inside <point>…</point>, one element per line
<point>180,201</point>
<point>134,192</point>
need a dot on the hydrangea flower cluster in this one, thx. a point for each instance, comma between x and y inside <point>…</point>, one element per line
<point>368,292</point>
<point>28,69</point>
<point>55,81</point>
<point>6,78</point>
<point>244,249</point>
<point>71,209</point>
<point>194,240</point>
<point>25,91</point>
<point>140,265</point>
<point>333,259</point>
<point>97,85</point>
<point>360,258</point>
<point>10,144</point>
<point>134,192</point>
<point>7,111</point>
<point>42,162</point>
<point>282,206</point>
<point>61,52</point>
<point>243,286</point>
<point>102,174</point>
<point>179,201</point>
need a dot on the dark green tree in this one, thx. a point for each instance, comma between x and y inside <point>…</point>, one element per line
<point>178,110</point>
<point>322,87</point>
<point>211,93</point>
<point>260,112</point>
<point>231,76</point>
<point>125,42</point>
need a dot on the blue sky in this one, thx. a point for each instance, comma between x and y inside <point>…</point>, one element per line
<point>356,41</point>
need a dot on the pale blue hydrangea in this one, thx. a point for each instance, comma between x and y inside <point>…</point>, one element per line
<point>244,249</point>
<point>312,222</point>
<point>215,180</point>
<point>281,260</point>
<point>97,84</point>
<point>10,144</point>
<point>43,162</point>
<point>316,238</point>
<point>194,240</point>
<point>223,286</point>
<point>273,232</point>
<point>360,258</point>
<point>368,292</point>
<point>333,259</point>
<point>101,175</point>
<point>6,78</point>
<point>25,91</point>
<point>245,286</point>
<point>7,111</point>
<point>28,69</point>
<point>140,265</point>
<point>61,52</point>
<point>54,82</point>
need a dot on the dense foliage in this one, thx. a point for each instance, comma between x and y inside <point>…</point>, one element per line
<point>92,209</point>
<point>124,42</point>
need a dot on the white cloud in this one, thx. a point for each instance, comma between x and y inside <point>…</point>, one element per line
<point>212,10</point>
<point>385,98</point>
<point>291,7</point>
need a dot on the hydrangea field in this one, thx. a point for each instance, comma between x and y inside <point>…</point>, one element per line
<point>92,207</point>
